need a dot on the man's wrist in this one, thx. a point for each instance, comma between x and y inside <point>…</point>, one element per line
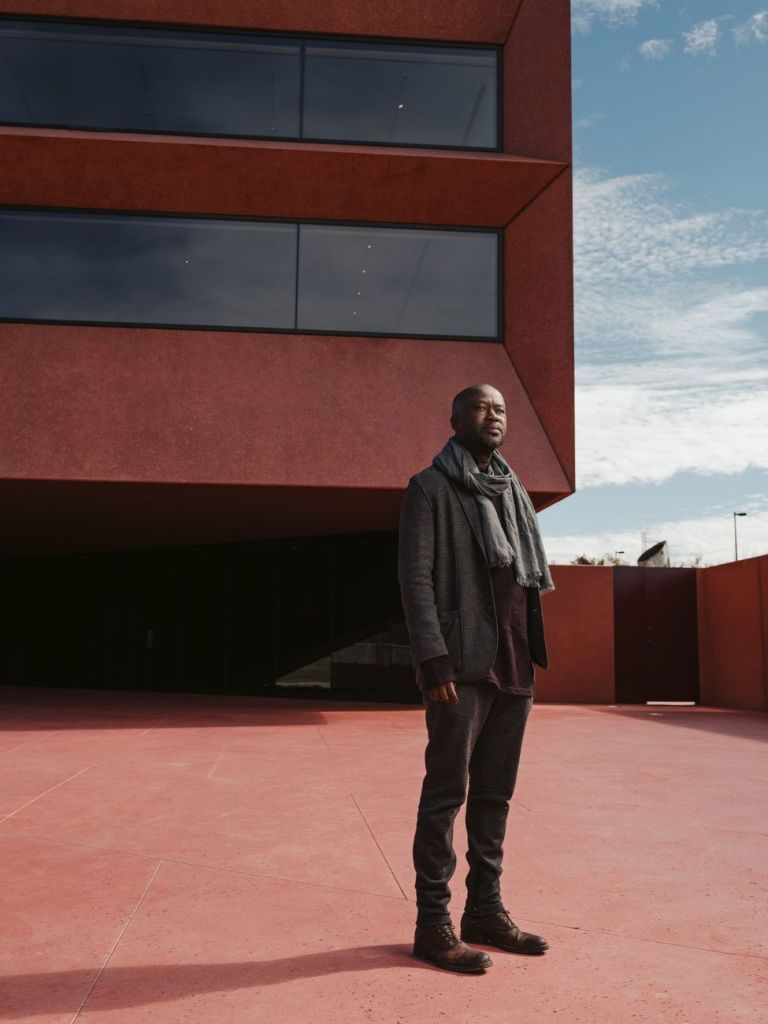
<point>436,672</point>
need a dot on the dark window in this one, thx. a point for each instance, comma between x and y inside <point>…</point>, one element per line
<point>412,95</point>
<point>397,281</point>
<point>119,268</point>
<point>114,268</point>
<point>124,78</point>
<point>148,79</point>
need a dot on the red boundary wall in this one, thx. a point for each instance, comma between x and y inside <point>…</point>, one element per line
<point>732,635</point>
<point>578,616</point>
<point>733,632</point>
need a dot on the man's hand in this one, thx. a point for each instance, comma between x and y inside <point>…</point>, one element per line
<point>446,693</point>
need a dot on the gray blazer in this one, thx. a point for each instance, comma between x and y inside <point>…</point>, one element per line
<point>445,581</point>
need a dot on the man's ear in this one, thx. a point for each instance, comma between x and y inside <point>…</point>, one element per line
<point>453,423</point>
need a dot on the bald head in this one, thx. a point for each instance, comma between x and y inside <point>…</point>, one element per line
<point>479,420</point>
<point>465,396</point>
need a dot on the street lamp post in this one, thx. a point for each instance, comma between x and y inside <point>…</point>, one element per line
<point>616,555</point>
<point>735,536</point>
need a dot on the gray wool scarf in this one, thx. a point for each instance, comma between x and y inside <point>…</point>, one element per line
<point>516,538</point>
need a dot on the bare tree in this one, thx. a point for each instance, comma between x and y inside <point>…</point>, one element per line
<point>697,562</point>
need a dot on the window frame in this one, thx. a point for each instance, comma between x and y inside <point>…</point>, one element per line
<point>301,38</point>
<point>165,214</point>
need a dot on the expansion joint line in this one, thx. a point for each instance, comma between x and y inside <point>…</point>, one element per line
<point>117,940</point>
<point>357,805</point>
<point>41,795</point>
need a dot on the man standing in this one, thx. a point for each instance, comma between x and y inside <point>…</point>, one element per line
<point>472,567</point>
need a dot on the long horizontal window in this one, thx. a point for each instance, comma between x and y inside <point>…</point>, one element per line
<point>113,78</point>
<point>156,270</point>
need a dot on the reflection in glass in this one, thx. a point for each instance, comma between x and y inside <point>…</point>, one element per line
<point>126,78</point>
<point>148,79</point>
<point>191,271</point>
<point>397,281</point>
<point>407,94</point>
<point>114,268</point>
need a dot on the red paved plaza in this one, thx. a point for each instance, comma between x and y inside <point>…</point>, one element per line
<point>202,859</point>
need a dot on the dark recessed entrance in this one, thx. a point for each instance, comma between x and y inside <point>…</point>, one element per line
<point>655,634</point>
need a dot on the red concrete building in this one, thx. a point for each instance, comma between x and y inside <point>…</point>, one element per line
<point>250,252</point>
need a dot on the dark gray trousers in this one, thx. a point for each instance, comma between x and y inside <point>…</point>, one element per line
<point>477,741</point>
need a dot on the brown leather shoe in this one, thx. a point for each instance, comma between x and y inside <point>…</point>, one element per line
<point>440,945</point>
<point>500,930</point>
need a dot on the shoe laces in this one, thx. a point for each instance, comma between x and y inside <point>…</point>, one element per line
<point>503,915</point>
<point>448,932</point>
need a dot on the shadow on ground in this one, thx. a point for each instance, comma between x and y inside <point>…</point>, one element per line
<point>25,995</point>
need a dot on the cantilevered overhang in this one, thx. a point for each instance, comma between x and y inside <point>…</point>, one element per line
<point>242,177</point>
<point>39,517</point>
<point>277,410</point>
<point>489,22</point>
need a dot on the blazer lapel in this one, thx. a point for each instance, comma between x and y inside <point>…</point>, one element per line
<point>471,511</point>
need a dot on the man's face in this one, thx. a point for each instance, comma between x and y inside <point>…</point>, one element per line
<point>480,421</point>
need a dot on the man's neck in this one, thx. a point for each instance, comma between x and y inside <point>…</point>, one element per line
<point>482,458</point>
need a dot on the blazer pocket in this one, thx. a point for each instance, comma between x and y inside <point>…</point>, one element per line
<point>450,627</point>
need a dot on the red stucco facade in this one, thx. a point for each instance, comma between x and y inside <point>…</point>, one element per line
<point>315,434</point>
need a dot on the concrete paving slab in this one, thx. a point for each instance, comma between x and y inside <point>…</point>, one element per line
<point>63,910</point>
<point>292,829</point>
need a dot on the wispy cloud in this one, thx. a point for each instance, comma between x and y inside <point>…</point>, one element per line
<point>630,229</point>
<point>709,535</point>
<point>703,38</point>
<point>655,49</point>
<point>673,345</point>
<point>588,121</point>
<point>754,29</point>
<point>610,12</point>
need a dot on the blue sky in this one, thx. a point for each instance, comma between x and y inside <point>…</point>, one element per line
<point>670,108</point>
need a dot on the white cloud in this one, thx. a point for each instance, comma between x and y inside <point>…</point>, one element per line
<point>646,422</point>
<point>672,367</point>
<point>703,38</point>
<point>655,49</point>
<point>754,28</point>
<point>588,121</point>
<point>710,536</point>
<point>611,12</point>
